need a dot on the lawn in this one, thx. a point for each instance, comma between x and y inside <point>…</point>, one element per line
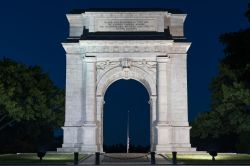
<point>221,158</point>
<point>59,158</point>
<point>50,158</point>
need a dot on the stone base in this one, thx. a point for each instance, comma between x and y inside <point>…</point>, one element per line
<point>88,149</point>
<point>79,139</point>
<point>78,148</point>
<point>67,150</point>
<point>173,138</point>
<point>83,149</point>
<point>167,149</point>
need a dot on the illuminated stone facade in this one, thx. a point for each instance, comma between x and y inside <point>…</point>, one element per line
<point>105,46</point>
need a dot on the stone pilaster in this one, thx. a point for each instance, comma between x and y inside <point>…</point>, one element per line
<point>163,129</point>
<point>178,91</point>
<point>73,103</point>
<point>153,137</point>
<point>162,105</point>
<point>99,118</point>
<point>89,129</point>
<point>90,104</point>
<point>74,95</point>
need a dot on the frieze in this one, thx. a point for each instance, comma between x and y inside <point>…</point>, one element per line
<point>125,49</point>
<point>147,64</point>
<point>106,64</point>
<point>140,46</point>
<point>125,64</point>
<point>103,66</point>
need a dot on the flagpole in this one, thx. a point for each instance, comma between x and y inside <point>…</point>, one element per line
<point>128,133</point>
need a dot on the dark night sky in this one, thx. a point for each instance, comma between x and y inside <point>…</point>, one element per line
<point>31,32</point>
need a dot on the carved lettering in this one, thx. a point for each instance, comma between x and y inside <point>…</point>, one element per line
<point>129,25</point>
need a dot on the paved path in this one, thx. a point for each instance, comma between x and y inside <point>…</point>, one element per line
<point>125,159</point>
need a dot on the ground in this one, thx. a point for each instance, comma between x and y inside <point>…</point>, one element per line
<point>221,158</point>
<point>56,158</point>
<point>50,158</point>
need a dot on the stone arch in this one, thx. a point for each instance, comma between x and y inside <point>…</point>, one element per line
<point>116,73</point>
<point>109,111</point>
<point>107,78</point>
<point>93,65</point>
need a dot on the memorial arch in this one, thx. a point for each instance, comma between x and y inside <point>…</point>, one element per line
<point>105,46</point>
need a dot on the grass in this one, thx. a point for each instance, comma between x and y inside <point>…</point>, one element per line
<point>59,158</point>
<point>221,158</point>
<point>26,158</point>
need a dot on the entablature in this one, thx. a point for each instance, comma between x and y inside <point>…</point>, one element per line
<point>150,46</point>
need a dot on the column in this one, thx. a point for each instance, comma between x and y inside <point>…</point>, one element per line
<point>163,130</point>
<point>99,118</point>
<point>89,128</point>
<point>162,105</point>
<point>153,122</point>
<point>90,116</point>
<point>73,102</point>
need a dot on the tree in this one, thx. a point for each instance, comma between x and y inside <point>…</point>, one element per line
<point>230,115</point>
<point>30,104</point>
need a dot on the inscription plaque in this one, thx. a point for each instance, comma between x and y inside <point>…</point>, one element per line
<point>127,25</point>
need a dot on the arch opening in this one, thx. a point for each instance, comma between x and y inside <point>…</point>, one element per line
<point>121,97</point>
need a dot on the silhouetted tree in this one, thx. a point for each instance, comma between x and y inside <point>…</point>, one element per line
<point>229,121</point>
<point>31,106</point>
